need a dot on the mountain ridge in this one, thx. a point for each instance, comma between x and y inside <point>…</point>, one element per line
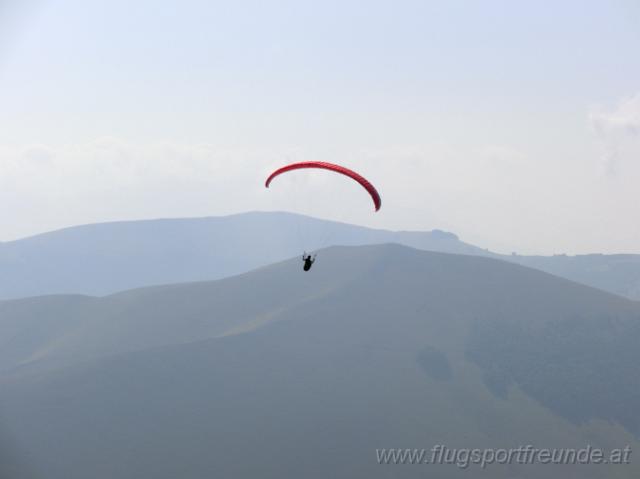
<point>119,256</point>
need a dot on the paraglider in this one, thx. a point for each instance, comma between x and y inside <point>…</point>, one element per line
<point>369,188</point>
<point>308,261</point>
<point>375,196</point>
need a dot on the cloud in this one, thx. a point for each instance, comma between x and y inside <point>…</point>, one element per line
<point>108,163</point>
<point>43,187</point>
<point>493,194</point>
<point>618,130</point>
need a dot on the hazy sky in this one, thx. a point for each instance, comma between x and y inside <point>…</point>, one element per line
<point>515,125</point>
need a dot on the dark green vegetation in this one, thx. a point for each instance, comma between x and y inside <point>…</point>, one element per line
<point>581,367</point>
<point>277,373</point>
<point>106,258</point>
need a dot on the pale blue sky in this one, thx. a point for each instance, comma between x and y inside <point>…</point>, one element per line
<point>513,124</point>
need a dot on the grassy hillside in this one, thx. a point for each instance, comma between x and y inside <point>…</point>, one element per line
<point>279,373</point>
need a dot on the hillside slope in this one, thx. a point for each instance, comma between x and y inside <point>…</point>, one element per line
<point>278,373</point>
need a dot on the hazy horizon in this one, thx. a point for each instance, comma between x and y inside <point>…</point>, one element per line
<point>514,126</point>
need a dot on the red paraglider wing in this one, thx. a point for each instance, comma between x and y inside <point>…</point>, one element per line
<point>375,196</point>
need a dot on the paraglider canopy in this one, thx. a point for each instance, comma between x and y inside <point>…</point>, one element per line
<point>375,196</point>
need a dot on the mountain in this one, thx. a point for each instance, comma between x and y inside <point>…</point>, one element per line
<point>616,273</point>
<point>105,258</point>
<point>280,373</point>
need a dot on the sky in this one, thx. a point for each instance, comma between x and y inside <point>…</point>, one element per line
<point>515,125</point>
